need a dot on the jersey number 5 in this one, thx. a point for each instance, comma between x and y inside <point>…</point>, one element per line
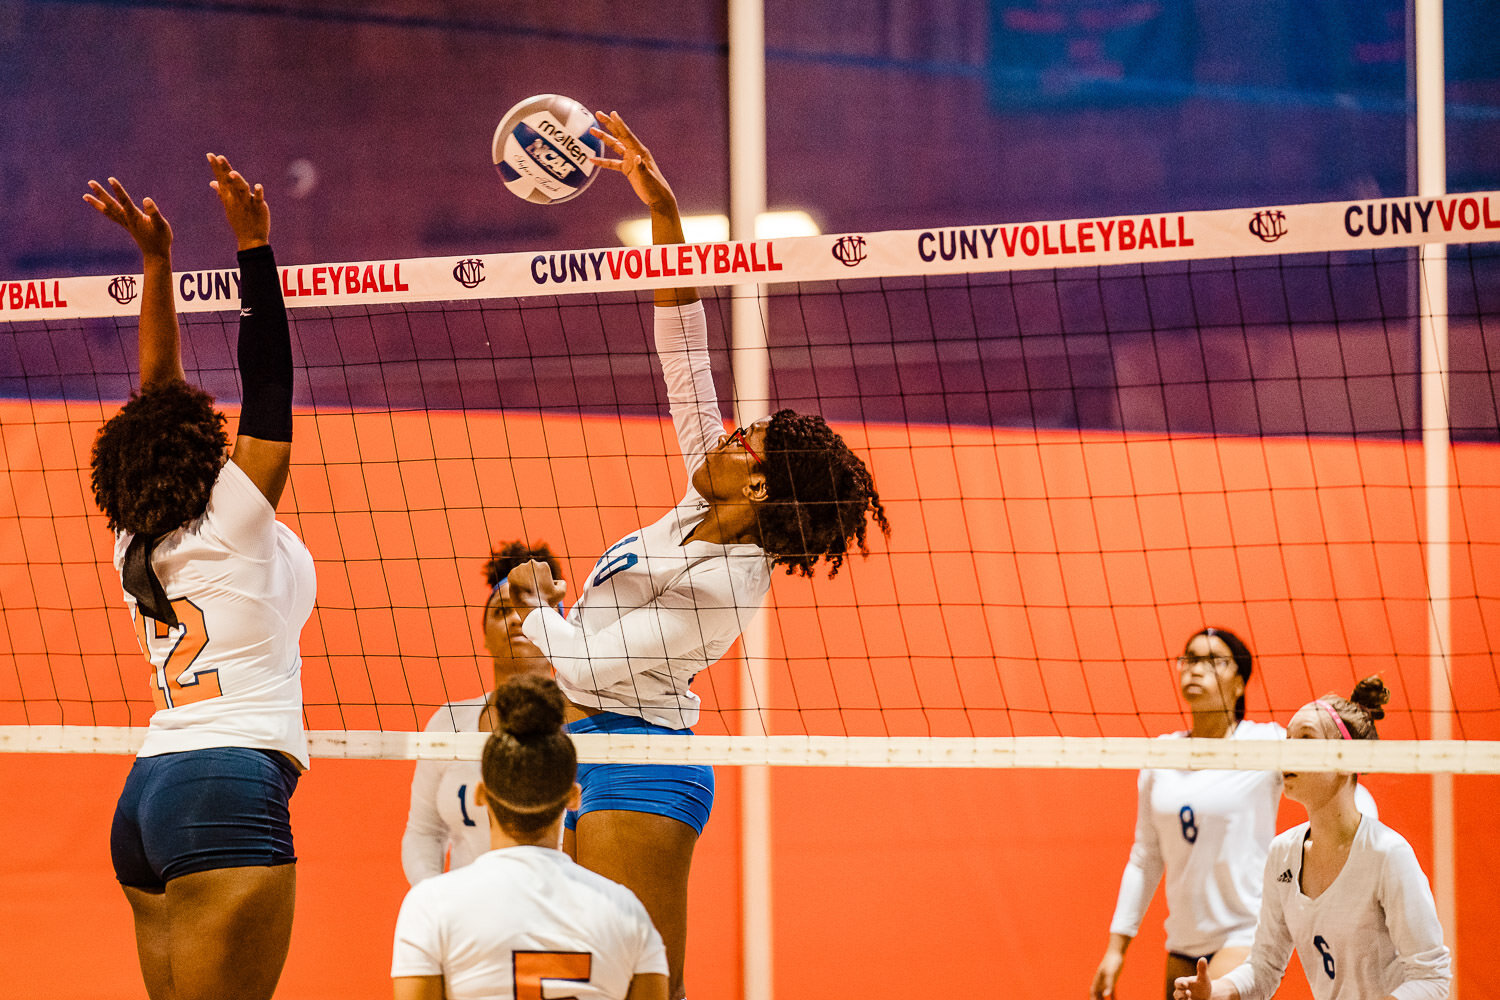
<point>174,683</point>
<point>529,968</point>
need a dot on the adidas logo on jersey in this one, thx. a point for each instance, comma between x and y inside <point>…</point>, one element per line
<point>1285,876</point>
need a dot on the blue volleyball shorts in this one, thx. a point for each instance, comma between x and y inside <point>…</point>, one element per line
<point>201,810</point>
<point>682,791</point>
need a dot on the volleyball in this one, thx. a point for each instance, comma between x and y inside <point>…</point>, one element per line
<point>541,149</point>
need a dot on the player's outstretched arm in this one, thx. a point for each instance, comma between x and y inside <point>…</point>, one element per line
<point>158,344</point>
<point>650,185</point>
<point>263,447</point>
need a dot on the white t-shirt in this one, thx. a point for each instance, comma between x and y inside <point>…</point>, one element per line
<point>445,819</point>
<point>654,612</point>
<point>242,585</point>
<point>519,914</point>
<point>1209,831</point>
<point>1373,933</point>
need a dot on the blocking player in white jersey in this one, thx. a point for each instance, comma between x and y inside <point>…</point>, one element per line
<point>219,591</point>
<point>1343,889</point>
<point>669,599</point>
<point>1207,830</point>
<point>446,820</point>
<point>523,920</point>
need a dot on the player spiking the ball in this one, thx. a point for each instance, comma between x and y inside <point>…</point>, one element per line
<point>668,600</point>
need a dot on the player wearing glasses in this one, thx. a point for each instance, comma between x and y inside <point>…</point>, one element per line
<point>1207,830</point>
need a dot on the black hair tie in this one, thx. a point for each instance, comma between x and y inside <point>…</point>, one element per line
<point>141,583</point>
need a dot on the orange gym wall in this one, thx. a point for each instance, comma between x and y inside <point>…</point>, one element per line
<point>1054,609</point>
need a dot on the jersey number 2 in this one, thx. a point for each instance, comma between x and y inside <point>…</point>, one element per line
<point>174,683</point>
<point>529,968</point>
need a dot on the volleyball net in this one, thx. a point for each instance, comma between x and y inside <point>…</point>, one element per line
<point>1092,437</point>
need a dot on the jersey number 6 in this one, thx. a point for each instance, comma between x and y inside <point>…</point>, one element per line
<point>174,683</point>
<point>529,968</point>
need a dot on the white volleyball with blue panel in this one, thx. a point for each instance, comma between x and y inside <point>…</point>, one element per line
<point>541,149</point>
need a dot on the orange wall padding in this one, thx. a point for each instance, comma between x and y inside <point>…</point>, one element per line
<point>1036,583</point>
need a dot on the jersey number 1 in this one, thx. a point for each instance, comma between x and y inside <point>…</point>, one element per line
<point>529,968</point>
<point>174,683</point>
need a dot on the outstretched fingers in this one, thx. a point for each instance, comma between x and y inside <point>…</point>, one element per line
<point>619,138</point>
<point>145,224</point>
<point>244,203</point>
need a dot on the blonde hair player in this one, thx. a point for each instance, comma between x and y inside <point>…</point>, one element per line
<point>219,590</point>
<point>524,913</point>
<point>1343,889</point>
<point>666,601</point>
<point>446,821</point>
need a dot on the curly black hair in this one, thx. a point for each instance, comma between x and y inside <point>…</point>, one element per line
<point>512,554</point>
<point>818,495</point>
<point>154,463</point>
<point>529,763</point>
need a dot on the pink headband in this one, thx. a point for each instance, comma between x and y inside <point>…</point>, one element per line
<point>1329,709</point>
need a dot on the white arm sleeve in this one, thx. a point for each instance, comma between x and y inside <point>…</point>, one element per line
<point>425,841</point>
<point>418,948</point>
<point>679,624</point>
<point>682,348</point>
<point>1261,973</point>
<point>1412,921</point>
<point>1144,869</point>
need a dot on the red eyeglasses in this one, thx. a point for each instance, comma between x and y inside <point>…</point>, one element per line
<point>738,434</point>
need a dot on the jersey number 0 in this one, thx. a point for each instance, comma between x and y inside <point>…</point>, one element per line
<point>175,683</point>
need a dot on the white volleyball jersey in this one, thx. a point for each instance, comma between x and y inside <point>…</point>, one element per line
<point>653,611</point>
<point>1209,831</point>
<point>445,819</point>
<point>522,917</point>
<point>1373,933</point>
<point>242,585</point>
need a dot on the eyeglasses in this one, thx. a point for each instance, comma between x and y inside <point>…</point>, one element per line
<point>739,435</point>
<point>1216,662</point>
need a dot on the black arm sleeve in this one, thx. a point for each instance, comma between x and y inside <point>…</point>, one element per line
<point>265,349</point>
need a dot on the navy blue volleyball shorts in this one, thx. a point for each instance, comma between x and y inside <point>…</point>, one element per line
<point>682,791</point>
<point>201,810</point>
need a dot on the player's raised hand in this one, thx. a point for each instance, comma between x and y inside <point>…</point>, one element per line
<point>531,585</point>
<point>1198,987</point>
<point>244,206</point>
<point>146,225</point>
<point>634,160</point>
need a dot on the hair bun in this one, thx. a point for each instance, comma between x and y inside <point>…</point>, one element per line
<point>1371,694</point>
<point>529,708</point>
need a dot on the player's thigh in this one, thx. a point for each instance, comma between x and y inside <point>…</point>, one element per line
<point>153,939</point>
<point>648,853</point>
<point>231,929</point>
<point>1177,967</point>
